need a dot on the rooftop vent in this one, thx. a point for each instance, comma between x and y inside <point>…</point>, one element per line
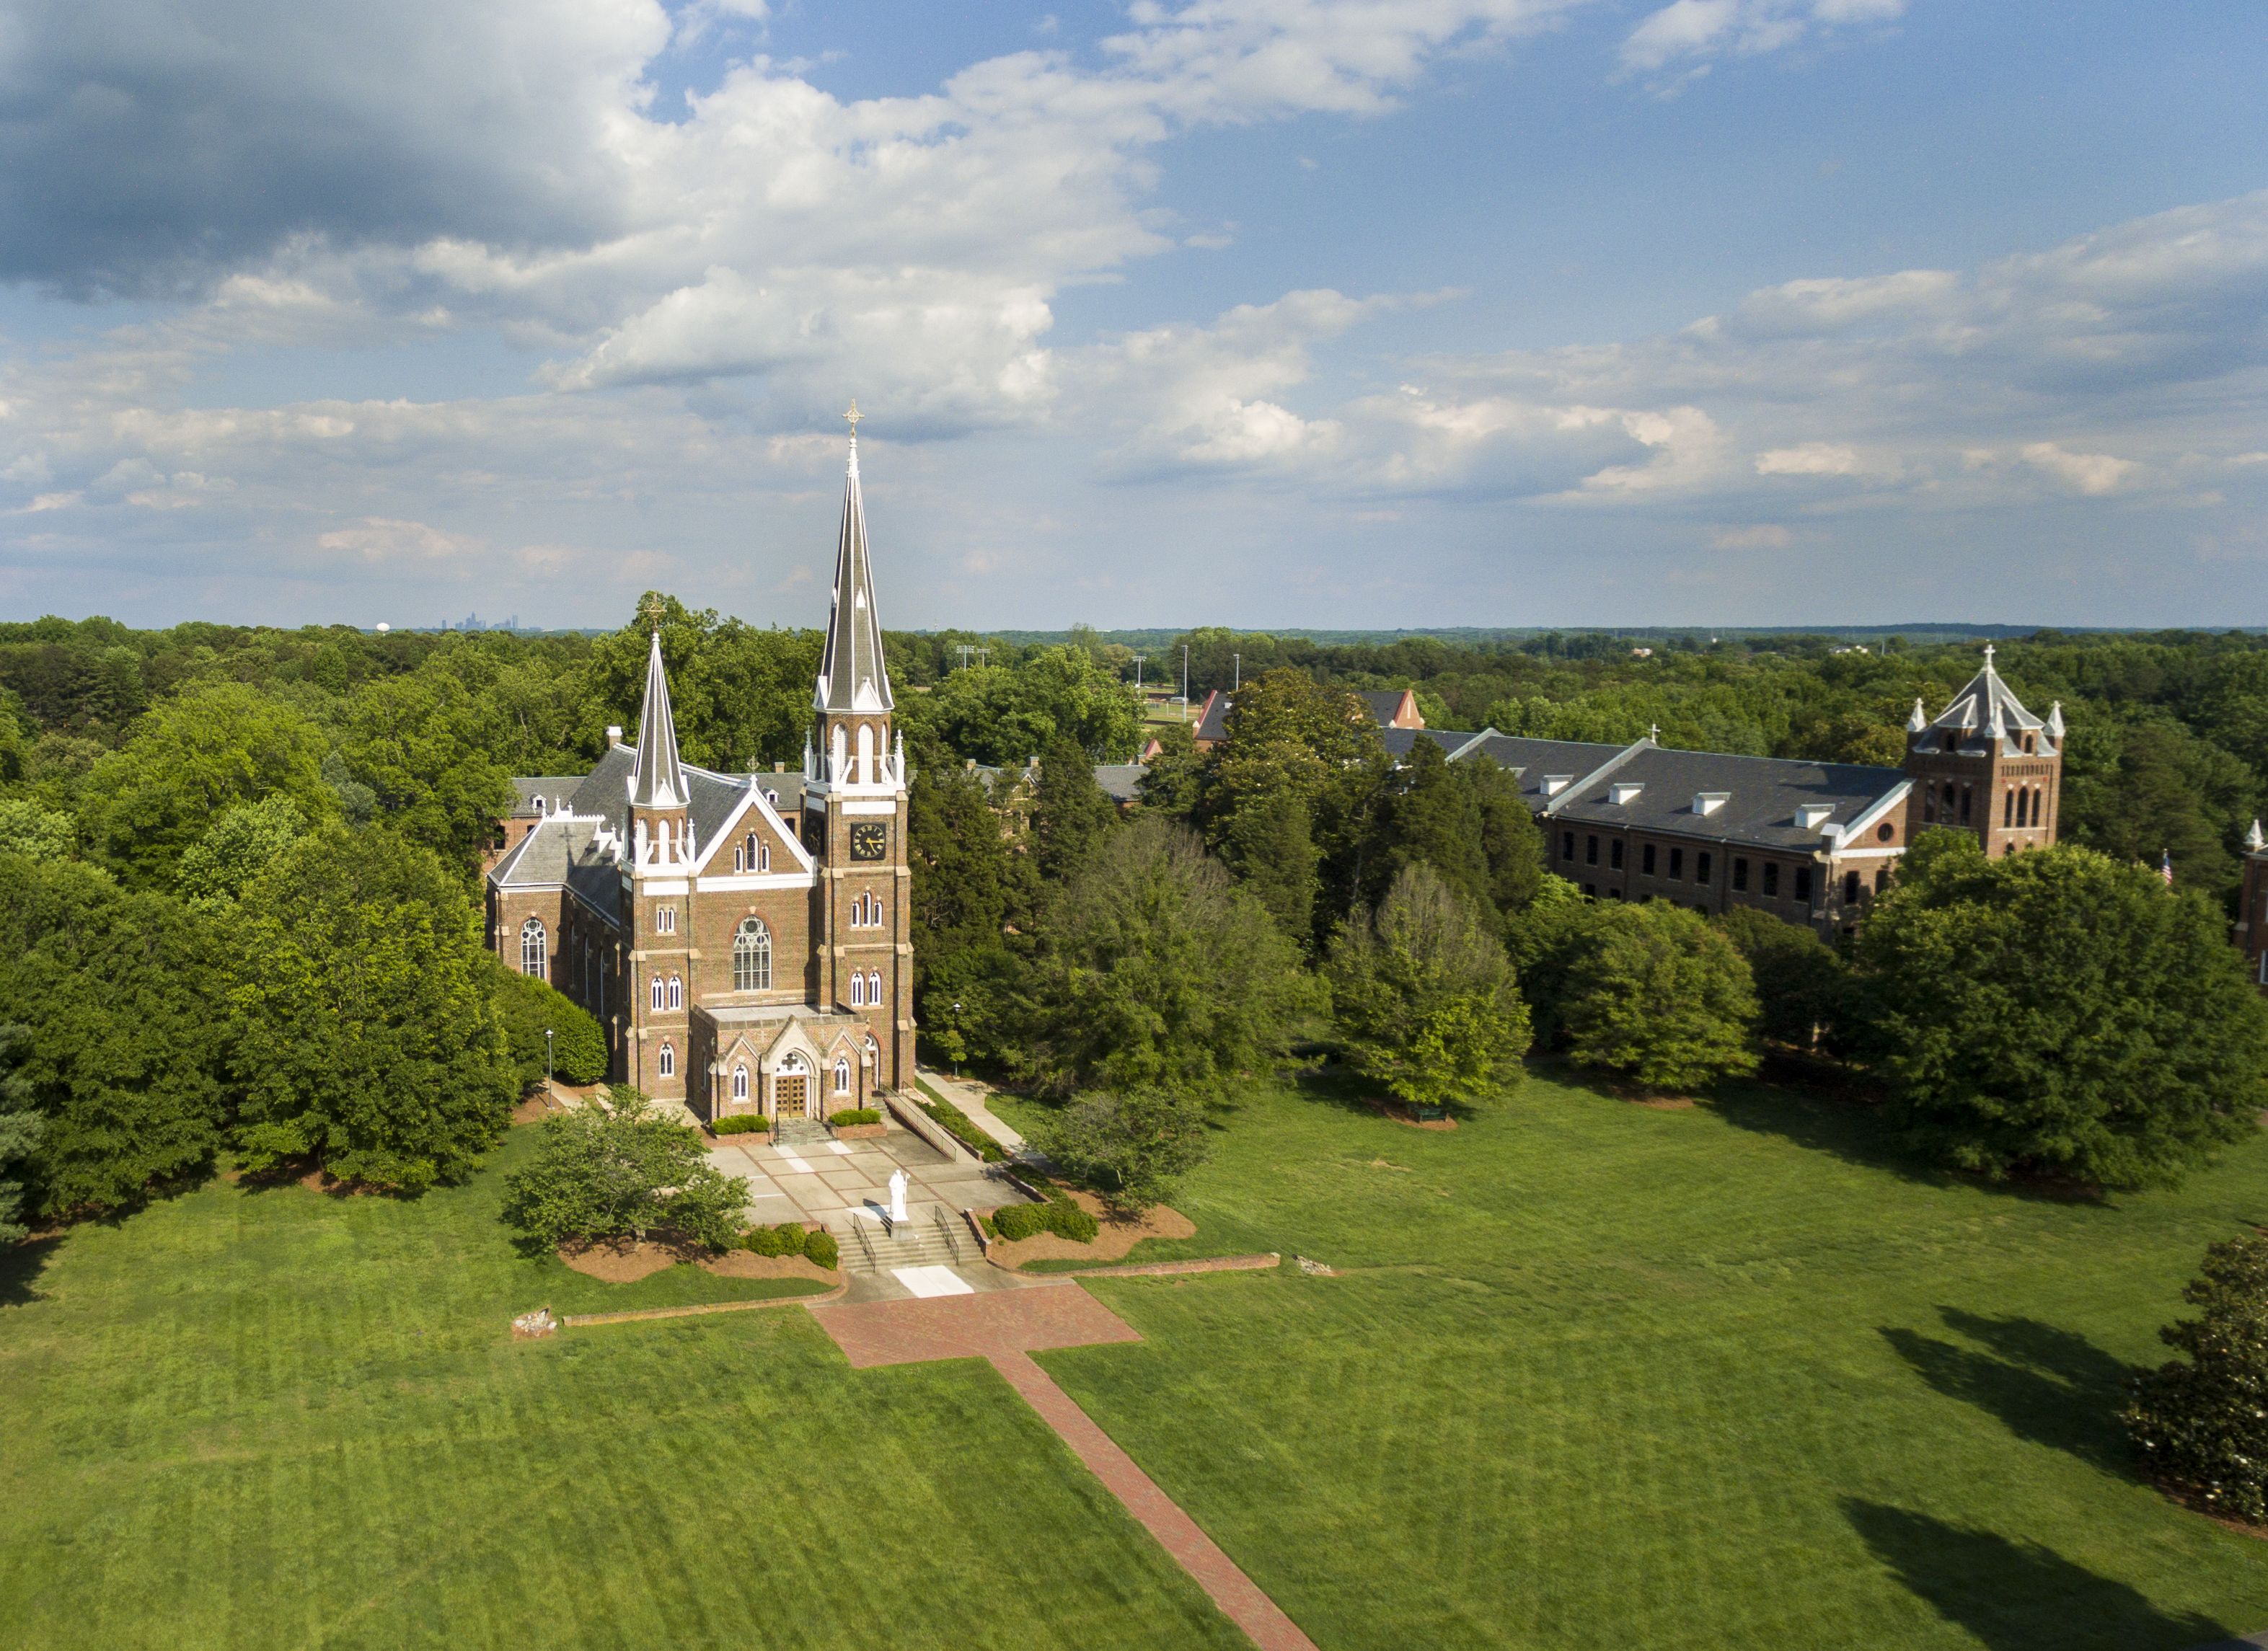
<point>1812,816</point>
<point>614,736</point>
<point>1621,795</point>
<point>1710,801</point>
<point>1555,783</point>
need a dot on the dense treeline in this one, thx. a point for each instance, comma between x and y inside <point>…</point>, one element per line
<point>184,808</point>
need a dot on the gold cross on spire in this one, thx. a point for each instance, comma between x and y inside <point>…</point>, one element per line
<point>653,611</point>
<point>853,417</point>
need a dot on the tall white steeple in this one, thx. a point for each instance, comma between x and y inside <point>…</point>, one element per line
<point>657,781</point>
<point>852,676</point>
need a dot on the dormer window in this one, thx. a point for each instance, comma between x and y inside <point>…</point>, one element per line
<point>1710,801</point>
<point>1555,783</point>
<point>1812,816</point>
<point>1621,796</point>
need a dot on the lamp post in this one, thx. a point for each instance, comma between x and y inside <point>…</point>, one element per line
<point>1185,682</point>
<point>547,1066</point>
<point>1239,683</point>
<point>956,1042</point>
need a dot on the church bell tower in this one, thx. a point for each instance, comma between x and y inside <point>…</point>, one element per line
<point>854,818</point>
<point>1987,764</point>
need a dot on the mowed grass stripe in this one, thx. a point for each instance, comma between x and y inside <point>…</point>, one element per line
<point>279,1418</point>
<point>1713,1378</point>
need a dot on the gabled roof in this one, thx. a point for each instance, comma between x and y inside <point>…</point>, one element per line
<point>657,781</point>
<point>852,675</point>
<point>1212,718</point>
<point>1119,781</point>
<point>552,790</point>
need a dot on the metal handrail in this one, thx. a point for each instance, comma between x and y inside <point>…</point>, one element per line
<point>859,1228</point>
<point>952,1243</point>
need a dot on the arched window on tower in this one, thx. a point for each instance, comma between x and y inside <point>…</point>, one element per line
<point>535,949</point>
<point>874,988</point>
<point>667,1066</point>
<point>865,753</point>
<point>2008,808</point>
<point>676,992</point>
<point>752,956</point>
<point>858,990</point>
<point>654,989</point>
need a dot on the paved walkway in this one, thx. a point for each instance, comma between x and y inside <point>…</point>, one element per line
<point>1005,1327</point>
<point>970,1099</point>
<point>822,1184</point>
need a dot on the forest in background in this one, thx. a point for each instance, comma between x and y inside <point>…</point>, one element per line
<point>2168,750</point>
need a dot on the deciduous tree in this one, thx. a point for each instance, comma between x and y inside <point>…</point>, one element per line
<point>1654,993</point>
<point>1426,999</point>
<point>619,1169</point>
<point>367,1036</point>
<point>1134,1146</point>
<point>2058,1012</point>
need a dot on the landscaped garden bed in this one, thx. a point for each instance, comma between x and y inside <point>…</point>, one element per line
<point>863,1124</point>
<point>1115,1232</point>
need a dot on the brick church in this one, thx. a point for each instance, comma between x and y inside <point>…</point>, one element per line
<point>741,938</point>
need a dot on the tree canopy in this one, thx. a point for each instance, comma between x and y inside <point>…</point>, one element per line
<point>366,1035</point>
<point>1656,994</point>
<point>2059,1013</point>
<point>620,1168</point>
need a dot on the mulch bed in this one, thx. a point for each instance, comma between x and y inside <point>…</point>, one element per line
<point>1119,1234</point>
<point>532,1110</point>
<point>2197,1504</point>
<point>621,1261</point>
<point>1400,1114</point>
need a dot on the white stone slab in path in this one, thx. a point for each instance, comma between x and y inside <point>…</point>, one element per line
<point>796,1163</point>
<point>838,1148</point>
<point>932,1282</point>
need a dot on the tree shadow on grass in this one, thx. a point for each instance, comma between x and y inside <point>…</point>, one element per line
<point>20,1266</point>
<point>2049,1386</point>
<point>2018,1595</point>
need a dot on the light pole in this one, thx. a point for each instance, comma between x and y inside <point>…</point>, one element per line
<point>956,1043</point>
<point>1185,682</point>
<point>1239,674</point>
<point>547,1066</point>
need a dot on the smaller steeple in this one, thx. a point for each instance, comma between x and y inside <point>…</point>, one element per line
<point>656,779</point>
<point>852,676</point>
<point>2254,842</point>
<point>1919,720</point>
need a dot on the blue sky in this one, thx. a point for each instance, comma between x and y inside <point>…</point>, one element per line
<point>1297,312</point>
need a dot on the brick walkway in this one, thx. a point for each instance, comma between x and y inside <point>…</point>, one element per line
<point>1005,1327</point>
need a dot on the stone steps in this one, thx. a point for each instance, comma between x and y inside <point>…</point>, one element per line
<point>800,1131</point>
<point>919,1243</point>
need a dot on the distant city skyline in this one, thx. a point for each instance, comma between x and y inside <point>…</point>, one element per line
<point>1314,314</point>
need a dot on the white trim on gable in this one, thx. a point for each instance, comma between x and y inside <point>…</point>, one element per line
<point>752,796</point>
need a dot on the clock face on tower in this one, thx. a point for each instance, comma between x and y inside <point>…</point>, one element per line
<point>869,840</point>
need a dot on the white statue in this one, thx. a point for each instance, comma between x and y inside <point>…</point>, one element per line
<point>897,1195</point>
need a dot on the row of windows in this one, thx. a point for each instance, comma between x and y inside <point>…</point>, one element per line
<point>842,1076</point>
<point>1653,862</point>
<point>866,988</point>
<point>1933,809</point>
<point>751,855</point>
<point>2021,806</point>
<point>867,911</point>
<point>667,995</point>
<point>665,920</point>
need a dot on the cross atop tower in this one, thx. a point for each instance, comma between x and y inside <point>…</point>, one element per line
<point>852,417</point>
<point>653,611</point>
<point>1988,650</point>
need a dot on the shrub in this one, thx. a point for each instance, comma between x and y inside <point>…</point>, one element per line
<point>819,1250</point>
<point>768,1241</point>
<point>599,1171</point>
<point>1067,1220</point>
<point>740,1123</point>
<point>525,1006</point>
<point>1019,1220</point>
<point>858,1115</point>
<point>2201,1423</point>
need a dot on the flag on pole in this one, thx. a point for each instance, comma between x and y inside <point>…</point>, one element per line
<point>2166,866</point>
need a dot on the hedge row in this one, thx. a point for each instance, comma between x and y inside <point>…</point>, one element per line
<point>740,1123</point>
<point>858,1115</point>
<point>1061,1217</point>
<point>962,1128</point>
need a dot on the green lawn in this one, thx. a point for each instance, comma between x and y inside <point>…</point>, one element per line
<point>243,1419</point>
<point>1608,1376</point>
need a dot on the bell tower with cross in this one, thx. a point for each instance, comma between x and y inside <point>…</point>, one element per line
<point>854,821</point>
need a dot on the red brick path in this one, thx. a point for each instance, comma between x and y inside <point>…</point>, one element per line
<point>1003,1326</point>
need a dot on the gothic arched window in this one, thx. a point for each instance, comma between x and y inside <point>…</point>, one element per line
<point>752,956</point>
<point>858,990</point>
<point>676,992</point>
<point>874,988</point>
<point>667,1066</point>
<point>739,1083</point>
<point>654,991</point>
<point>842,1076</point>
<point>535,949</point>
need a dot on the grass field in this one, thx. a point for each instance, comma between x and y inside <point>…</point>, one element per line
<point>1609,1377</point>
<point>1601,1376</point>
<point>279,1418</point>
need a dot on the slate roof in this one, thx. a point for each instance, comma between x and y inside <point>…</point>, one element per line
<point>1212,721</point>
<point>1984,719</point>
<point>1385,704</point>
<point>1762,796</point>
<point>852,676</point>
<point>554,788</point>
<point>1119,780</point>
<point>657,780</point>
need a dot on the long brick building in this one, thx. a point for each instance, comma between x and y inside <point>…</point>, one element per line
<point>742,938</point>
<point>1810,843</point>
